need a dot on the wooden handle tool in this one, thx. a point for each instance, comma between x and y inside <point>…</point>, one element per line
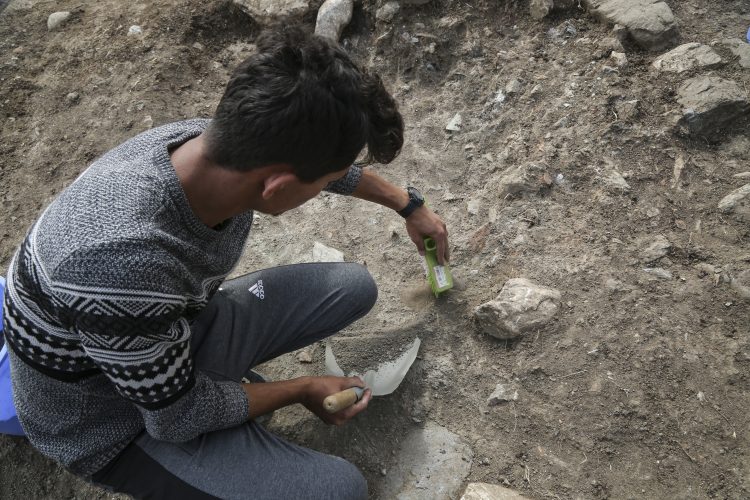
<point>344,399</point>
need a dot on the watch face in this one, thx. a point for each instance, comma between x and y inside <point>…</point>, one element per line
<point>415,195</point>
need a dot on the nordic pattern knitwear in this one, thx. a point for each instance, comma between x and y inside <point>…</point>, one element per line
<point>99,302</point>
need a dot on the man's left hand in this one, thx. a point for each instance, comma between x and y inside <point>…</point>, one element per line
<point>422,223</point>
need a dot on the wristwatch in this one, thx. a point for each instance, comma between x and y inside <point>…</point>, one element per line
<point>416,200</point>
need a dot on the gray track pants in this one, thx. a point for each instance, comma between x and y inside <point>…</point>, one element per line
<point>252,319</point>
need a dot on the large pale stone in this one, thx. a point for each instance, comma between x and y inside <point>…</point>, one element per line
<point>686,57</point>
<point>651,248</point>
<point>741,283</point>
<point>615,181</point>
<point>431,465</point>
<point>274,8</point>
<point>322,253</point>
<point>522,179</point>
<point>730,201</point>
<point>333,16</point>
<point>709,104</point>
<point>485,491</point>
<point>521,306</point>
<point>649,22</point>
<point>738,48</point>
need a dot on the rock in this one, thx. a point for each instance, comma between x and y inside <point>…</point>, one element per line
<point>741,283</point>
<point>333,16</point>
<point>415,2</point>
<point>619,58</point>
<point>563,31</point>
<point>679,166</point>
<point>628,110</point>
<point>609,45</point>
<point>322,253</point>
<point>513,87</point>
<point>472,206</point>
<point>527,178</point>
<point>540,8</point>
<point>739,49</point>
<point>614,180</point>
<point>730,201</point>
<point>135,30</point>
<point>617,285</point>
<point>686,57</point>
<point>387,12</point>
<point>655,250</point>
<point>148,121</point>
<point>659,272</point>
<point>521,306</point>
<point>485,491</point>
<point>709,104</point>
<point>57,19</point>
<point>455,124</point>
<point>650,23</point>
<point>274,8</point>
<point>502,394</point>
<point>304,357</point>
<point>706,269</point>
<point>431,465</point>
<point>620,32</point>
<point>73,97</point>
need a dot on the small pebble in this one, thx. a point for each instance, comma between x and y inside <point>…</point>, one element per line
<point>455,124</point>
<point>57,19</point>
<point>304,357</point>
<point>387,12</point>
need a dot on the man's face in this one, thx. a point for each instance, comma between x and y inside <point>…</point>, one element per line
<point>296,193</point>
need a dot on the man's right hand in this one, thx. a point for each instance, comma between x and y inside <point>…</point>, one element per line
<point>319,388</point>
<point>310,391</point>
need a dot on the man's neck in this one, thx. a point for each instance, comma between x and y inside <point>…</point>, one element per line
<point>215,194</point>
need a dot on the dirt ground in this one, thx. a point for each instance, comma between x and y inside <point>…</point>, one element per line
<point>640,387</point>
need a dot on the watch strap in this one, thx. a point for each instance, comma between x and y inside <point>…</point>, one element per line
<point>415,201</point>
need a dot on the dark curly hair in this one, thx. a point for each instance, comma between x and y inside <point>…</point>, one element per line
<point>301,100</point>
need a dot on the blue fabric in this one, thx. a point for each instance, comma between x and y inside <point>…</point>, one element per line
<point>8,420</point>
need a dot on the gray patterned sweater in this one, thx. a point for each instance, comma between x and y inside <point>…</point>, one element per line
<point>98,307</point>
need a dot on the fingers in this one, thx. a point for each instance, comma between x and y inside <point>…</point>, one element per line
<point>420,245</point>
<point>442,248</point>
<point>359,406</point>
<point>424,222</point>
<point>343,416</point>
<point>354,382</point>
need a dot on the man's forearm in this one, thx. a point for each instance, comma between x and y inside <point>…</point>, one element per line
<point>266,397</point>
<point>270,396</point>
<point>374,188</point>
<point>421,223</point>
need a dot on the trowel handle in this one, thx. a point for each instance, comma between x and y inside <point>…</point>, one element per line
<point>344,399</point>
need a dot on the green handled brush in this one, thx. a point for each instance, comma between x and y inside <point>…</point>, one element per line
<point>439,277</point>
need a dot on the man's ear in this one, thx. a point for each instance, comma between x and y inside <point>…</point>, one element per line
<point>276,183</point>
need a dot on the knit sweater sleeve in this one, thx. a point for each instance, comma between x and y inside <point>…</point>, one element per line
<point>137,336</point>
<point>347,184</point>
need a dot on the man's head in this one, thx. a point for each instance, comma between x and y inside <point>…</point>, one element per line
<point>300,101</point>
